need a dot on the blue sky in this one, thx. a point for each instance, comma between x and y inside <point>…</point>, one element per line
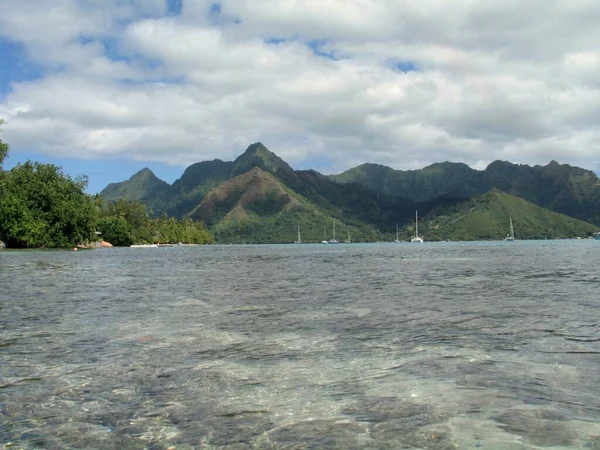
<point>106,88</point>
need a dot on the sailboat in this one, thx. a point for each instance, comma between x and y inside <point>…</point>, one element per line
<point>348,241</point>
<point>397,241</point>
<point>416,237</point>
<point>333,240</point>
<point>324,241</point>
<point>299,241</point>
<point>510,237</point>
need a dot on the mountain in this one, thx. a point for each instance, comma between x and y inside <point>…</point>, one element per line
<point>486,217</point>
<point>198,179</point>
<point>562,188</point>
<point>257,155</point>
<point>257,207</point>
<point>440,179</point>
<point>258,197</point>
<point>143,186</point>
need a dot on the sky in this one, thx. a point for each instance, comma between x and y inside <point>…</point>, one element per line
<point>108,87</point>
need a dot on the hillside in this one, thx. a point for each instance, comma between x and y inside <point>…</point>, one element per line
<point>486,217</point>
<point>143,186</point>
<point>441,179</point>
<point>179,199</point>
<point>198,179</point>
<point>561,188</point>
<point>256,207</point>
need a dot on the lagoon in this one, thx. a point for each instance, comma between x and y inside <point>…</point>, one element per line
<point>430,346</point>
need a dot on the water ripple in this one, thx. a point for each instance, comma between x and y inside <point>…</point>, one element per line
<point>437,346</point>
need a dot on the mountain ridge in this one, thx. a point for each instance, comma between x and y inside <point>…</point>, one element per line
<point>258,197</point>
<point>563,188</point>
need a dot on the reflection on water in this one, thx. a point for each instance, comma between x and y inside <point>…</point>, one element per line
<point>439,346</point>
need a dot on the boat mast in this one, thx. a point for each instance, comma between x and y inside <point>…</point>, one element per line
<point>299,240</point>
<point>334,229</point>
<point>416,223</point>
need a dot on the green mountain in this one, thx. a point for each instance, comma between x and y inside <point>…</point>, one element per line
<point>441,179</point>
<point>486,217</point>
<point>260,198</point>
<point>198,179</point>
<point>257,155</point>
<point>143,186</point>
<point>561,188</point>
<point>257,207</point>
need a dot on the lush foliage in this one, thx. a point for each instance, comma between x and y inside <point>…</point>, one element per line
<point>123,223</point>
<point>40,206</point>
<point>561,188</point>
<point>3,149</point>
<point>143,186</point>
<point>486,217</point>
<point>258,198</point>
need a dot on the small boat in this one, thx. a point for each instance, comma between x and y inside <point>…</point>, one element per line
<point>597,236</point>
<point>144,246</point>
<point>510,237</point>
<point>416,237</point>
<point>333,240</point>
<point>324,241</point>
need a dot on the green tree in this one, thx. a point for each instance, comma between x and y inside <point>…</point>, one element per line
<point>116,230</point>
<point>135,214</point>
<point>3,149</point>
<point>40,206</point>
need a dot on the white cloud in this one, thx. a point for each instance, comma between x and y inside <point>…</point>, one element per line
<point>493,81</point>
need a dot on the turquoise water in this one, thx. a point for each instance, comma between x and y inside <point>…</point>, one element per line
<point>431,346</point>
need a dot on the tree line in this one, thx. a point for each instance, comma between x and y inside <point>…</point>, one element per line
<point>42,207</point>
<point>123,223</point>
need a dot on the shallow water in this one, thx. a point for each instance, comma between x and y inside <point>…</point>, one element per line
<point>433,346</point>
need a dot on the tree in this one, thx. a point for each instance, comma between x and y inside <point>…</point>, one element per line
<point>135,215</point>
<point>3,149</point>
<point>116,230</point>
<point>40,206</point>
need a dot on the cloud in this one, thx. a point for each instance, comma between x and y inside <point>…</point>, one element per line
<point>322,83</point>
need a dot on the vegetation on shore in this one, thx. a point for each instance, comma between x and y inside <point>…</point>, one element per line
<point>123,223</point>
<point>42,207</point>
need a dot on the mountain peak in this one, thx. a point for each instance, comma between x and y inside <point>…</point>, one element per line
<point>257,155</point>
<point>256,148</point>
<point>145,173</point>
<point>498,164</point>
<point>143,185</point>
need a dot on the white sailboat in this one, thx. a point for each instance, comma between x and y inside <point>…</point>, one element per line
<point>333,240</point>
<point>397,241</point>
<point>510,237</point>
<point>348,241</point>
<point>299,241</point>
<point>416,237</point>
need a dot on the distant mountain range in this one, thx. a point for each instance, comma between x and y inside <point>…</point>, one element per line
<point>260,198</point>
